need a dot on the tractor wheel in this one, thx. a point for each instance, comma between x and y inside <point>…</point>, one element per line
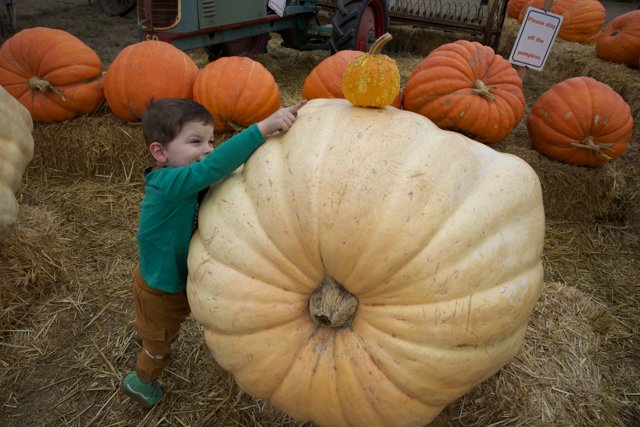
<point>249,46</point>
<point>357,23</point>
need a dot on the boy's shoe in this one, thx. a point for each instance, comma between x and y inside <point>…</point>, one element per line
<point>146,393</point>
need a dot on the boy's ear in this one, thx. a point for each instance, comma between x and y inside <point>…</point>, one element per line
<point>157,151</point>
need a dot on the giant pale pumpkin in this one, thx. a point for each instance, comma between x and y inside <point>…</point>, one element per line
<point>580,121</point>
<point>468,88</point>
<point>325,79</point>
<point>52,73</point>
<point>16,151</point>
<point>238,91</point>
<point>367,268</point>
<point>145,71</point>
<point>620,40</point>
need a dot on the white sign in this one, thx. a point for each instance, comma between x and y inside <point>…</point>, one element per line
<point>278,6</point>
<point>537,34</point>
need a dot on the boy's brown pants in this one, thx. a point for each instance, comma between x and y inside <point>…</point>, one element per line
<point>159,315</point>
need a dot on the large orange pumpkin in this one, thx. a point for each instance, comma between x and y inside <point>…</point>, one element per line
<point>582,19</point>
<point>580,121</point>
<point>146,71</point>
<point>238,91</point>
<point>468,88</point>
<point>325,80</point>
<point>514,7</point>
<point>52,73</point>
<point>620,40</point>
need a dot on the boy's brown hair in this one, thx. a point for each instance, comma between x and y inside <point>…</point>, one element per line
<point>164,118</point>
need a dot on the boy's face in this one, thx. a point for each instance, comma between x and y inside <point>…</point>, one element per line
<point>192,144</point>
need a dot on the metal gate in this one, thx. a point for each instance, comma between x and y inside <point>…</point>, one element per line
<point>478,17</point>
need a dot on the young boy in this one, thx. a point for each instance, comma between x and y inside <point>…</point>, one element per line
<point>179,133</point>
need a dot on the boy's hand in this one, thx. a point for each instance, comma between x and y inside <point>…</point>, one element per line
<point>281,120</point>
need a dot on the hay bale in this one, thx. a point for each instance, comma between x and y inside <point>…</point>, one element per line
<point>421,41</point>
<point>33,263</point>
<point>560,377</point>
<point>91,145</point>
<point>578,193</point>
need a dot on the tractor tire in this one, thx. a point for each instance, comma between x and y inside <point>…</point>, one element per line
<point>357,23</point>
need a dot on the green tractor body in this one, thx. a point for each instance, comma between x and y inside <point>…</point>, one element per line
<point>243,27</point>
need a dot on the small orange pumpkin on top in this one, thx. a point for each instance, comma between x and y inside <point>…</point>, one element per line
<point>372,79</point>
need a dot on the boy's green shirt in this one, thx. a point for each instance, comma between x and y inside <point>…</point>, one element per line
<point>169,209</point>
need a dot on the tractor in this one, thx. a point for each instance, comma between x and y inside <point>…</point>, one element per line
<point>243,27</point>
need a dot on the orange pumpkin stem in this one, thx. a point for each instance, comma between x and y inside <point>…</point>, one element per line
<point>483,90</point>
<point>44,86</point>
<point>588,144</point>
<point>377,46</point>
<point>235,126</point>
<point>331,305</point>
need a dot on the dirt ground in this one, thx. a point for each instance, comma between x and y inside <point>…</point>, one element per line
<point>62,363</point>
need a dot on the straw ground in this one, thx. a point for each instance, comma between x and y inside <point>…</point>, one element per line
<point>65,271</point>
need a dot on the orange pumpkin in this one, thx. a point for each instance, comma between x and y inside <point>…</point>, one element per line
<point>468,88</point>
<point>582,19</point>
<point>539,4</point>
<point>238,91</point>
<point>52,73</point>
<point>580,121</point>
<point>145,71</point>
<point>372,79</point>
<point>514,7</point>
<point>325,80</point>
<point>620,40</point>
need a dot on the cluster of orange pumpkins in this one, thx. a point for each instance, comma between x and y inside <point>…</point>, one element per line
<point>583,22</point>
<point>461,86</point>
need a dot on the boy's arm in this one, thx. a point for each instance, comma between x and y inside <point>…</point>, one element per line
<point>281,120</point>
<point>229,156</point>
<point>218,164</point>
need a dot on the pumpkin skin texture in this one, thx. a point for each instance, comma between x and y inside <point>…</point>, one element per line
<point>325,80</point>
<point>514,7</point>
<point>238,91</point>
<point>147,71</point>
<point>580,121</point>
<point>466,87</point>
<point>440,259</point>
<point>372,79</point>
<point>620,40</point>
<point>16,151</point>
<point>52,73</point>
<point>582,19</point>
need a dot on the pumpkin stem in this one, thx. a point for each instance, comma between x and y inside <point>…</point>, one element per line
<point>376,47</point>
<point>483,90</point>
<point>44,86</point>
<point>235,126</point>
<point>590,145</point>
<point>331,305</point>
